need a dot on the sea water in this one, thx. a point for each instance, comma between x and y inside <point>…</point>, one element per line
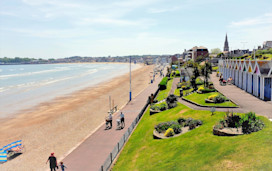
<point>25,86</point>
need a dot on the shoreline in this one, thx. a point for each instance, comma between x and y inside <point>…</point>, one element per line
<point>76,63</point>
<point>55,98</point>
<point>62,124</point>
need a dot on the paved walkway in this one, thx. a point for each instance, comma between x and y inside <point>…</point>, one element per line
<point>174,85</point>
<point>246,101</point>
<point>91,154</point>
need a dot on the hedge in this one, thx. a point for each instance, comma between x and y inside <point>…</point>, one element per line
<point>163,83</point>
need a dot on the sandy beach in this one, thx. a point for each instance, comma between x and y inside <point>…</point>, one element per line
<point>59,125</point>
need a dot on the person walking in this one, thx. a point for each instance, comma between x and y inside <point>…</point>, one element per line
<point>53,162</point>
<point>122,118</point>
<point>109,120</point>
<point>62,166</point>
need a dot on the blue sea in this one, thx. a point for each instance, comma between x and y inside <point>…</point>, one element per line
<point>25,86</point>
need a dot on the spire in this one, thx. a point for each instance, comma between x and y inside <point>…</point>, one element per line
<point>226,45</point>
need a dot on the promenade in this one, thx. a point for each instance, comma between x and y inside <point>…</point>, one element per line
<point>91,154</point>
<point>246,101</point>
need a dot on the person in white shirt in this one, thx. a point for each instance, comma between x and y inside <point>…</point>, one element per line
<point>122,118</point>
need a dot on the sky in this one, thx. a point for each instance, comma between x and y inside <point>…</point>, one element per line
<point>63,28</point>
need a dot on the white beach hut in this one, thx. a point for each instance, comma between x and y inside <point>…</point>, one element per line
<point>268,86</point>
<point>256,80</point>
<point>236,71</point>
<point>265,68</point>
<point>250,77</point>
<point>232,69</point>
<point>240,74</point>
<point>244,70</point>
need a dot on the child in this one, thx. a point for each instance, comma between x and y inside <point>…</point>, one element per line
<point>62,166</point>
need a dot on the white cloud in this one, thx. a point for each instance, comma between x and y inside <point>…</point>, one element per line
<point>162,10</point>
<point>55,33</point>
<point>134,3</point>
<point>59,3</point>
<point>8,13</point>
<point>143,23</point>
<point>264,19</point>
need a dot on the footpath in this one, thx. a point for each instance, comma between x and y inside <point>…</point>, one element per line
<point>246,101</point>
<point>92,153</point>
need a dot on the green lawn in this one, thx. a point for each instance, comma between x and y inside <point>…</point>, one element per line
<point>164,93</point>
<point>200,99</point>
<point>184,92</point>
<point>215,68</point>
<point>198,149</point>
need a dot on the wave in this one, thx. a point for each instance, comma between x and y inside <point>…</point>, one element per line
<point>34,84</point>
<point>35,73</point>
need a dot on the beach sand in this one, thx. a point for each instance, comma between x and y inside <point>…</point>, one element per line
<point>59,125</point>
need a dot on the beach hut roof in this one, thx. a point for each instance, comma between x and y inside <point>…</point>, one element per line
<point>250,67</point>
<point>241,65</point>
<point>256,69</point>
<point>264,66</point>
<point>236,65</point>
<point>270,72</point>
<point>245,65</point>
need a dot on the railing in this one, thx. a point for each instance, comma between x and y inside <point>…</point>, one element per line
<point>124,138</point>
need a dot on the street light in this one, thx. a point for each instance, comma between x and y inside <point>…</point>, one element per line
<point>130,78</point>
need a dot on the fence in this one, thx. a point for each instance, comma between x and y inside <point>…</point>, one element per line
<point>124,138</point>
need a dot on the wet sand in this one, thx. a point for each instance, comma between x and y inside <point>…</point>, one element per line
<point>59,125</point>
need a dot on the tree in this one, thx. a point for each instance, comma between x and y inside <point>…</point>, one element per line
<point>206,70</point>
<point>220,54</point>
<point>215,51</point>
<point>195,75</point>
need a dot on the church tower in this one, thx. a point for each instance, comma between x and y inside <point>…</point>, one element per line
<point>226,46</point>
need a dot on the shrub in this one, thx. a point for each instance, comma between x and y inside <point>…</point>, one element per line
<point>211,97</point>
<point>200,88</point>
<point>163,83</point>
<point>219,99</point>
<point>176,128</point>
<point>199,81</point>
<point>233,121</point>
<point>187,122</point>
<point>169,132</point>
<point>163,126</point>
<point>251,123</point>
<point>192,124</point>
<point>181,121</point>
<point>218,126</point>
<point>171,101</point>
<point>199,122</point>
<point>207,90</point>
<point>155,107</point>
<point>163,106</point>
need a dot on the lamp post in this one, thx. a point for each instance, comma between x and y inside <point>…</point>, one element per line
<point>130,78</point>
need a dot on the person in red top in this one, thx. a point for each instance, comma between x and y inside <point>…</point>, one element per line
<point>53,162</point>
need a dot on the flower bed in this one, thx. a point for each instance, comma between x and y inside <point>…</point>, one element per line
<point>216,98</point>
<point>156,108</point>
<point>202,90</point>
<point>175,128</point>
<point>170,102</point>
<point>237,125</point>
